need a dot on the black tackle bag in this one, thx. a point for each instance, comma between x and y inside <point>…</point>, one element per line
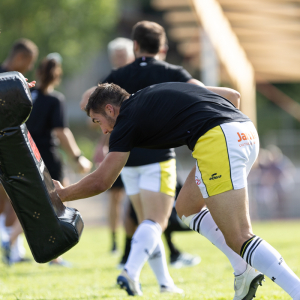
<point>50,228</point>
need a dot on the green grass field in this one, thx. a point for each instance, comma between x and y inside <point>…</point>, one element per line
<point>94,272</point>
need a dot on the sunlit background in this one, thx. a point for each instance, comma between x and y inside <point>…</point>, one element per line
<point>250,45</point>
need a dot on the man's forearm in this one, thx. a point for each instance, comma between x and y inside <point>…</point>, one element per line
<point>98,181</point>
<point>87,187</point>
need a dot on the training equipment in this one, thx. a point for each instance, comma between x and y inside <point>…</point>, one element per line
<point>50,228</point>
<point>246,284</point>
<point>133,288</point>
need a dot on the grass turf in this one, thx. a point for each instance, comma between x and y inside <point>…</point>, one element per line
<point>93,273</point>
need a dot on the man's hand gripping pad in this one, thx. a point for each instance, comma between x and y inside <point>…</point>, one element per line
<point>50,228</point>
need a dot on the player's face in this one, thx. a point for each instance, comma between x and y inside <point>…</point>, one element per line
<point>105,122</point>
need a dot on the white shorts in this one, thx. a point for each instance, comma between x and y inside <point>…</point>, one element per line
<point>157,177</point>
<point>225,155</point>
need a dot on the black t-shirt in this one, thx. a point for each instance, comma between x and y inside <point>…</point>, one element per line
<point>170,115</point>
<point>48,112</point>
<point>143,72</point>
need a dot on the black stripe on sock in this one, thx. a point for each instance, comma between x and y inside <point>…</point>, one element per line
<point>195,221</point>
<point>250,258</point>
<point>252,246</point>
<point>206,211</point>
<point>197,218</point>
<point>245,246</point>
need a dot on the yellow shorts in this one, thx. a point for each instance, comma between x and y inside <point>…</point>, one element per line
<point>225,155</point>
<point>156,177</point>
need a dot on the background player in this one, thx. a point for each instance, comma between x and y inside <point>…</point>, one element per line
<point>21,58</point>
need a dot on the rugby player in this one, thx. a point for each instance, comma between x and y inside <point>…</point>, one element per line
<point>175,114</point>
<point>150,175</point>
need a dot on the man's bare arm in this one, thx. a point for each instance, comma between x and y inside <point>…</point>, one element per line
<point>96,182</point>
<point>232,95</point>
<point>196,82</point>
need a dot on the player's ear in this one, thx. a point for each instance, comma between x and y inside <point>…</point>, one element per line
<point>109,109</point>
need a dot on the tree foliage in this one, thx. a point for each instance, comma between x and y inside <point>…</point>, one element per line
<point>74,28</point>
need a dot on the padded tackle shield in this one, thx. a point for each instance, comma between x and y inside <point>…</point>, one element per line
<point>50,228</point>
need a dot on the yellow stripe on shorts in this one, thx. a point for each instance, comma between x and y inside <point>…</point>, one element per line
<point>212,159</point>
<point>168,177</point>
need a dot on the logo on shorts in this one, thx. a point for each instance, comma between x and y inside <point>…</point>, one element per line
<point>198,181</point>
<point>246,136</point>
<point>215,176</point>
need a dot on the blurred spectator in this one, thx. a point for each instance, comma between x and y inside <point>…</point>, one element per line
<point>272,181</point>
<point>120,51</point>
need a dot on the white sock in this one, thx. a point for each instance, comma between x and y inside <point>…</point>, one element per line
<point>263,257</point>
<point>158,263</point>
<point>4,231</point>
<point>17,249</point>
<point>144,242</point>
<point>204,224</point>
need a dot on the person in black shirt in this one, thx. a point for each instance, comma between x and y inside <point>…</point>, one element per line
<point>144,167</point>
<point>47,121</point>
<point>21,58</point>
<point>225,145</point>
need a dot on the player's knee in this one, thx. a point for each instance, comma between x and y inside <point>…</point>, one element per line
<point>235,242</point>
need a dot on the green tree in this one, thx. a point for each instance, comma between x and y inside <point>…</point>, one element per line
<point>74,28</point>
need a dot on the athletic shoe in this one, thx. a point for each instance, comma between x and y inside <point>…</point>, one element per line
<point>60,262</point>
<point>246,284</point>
<point>171,289</point>
<point>5,246</point>
<point>133,288</point>
<point>184,260</point>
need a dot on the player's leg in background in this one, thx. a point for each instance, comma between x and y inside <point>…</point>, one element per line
<point>130,225</point>
<point>153,210</point>
<point>157,208</point>
<point>116,195</point>
<point>13,250</point>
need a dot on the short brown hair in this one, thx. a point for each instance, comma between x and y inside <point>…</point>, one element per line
<point>105,93</point>
<point>48,72</point>
<point>25,46</point>
<point>149,35</point>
